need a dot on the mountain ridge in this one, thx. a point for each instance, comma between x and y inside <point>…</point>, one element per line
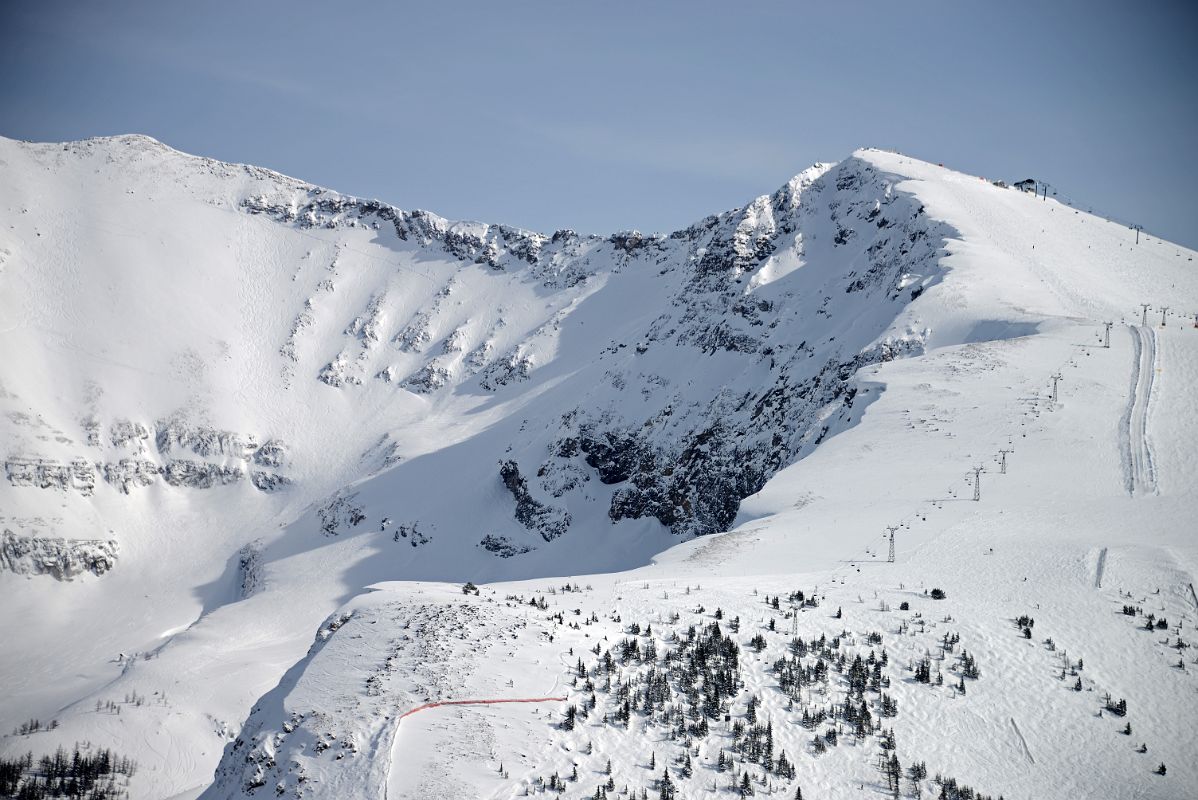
<point>268,397</point>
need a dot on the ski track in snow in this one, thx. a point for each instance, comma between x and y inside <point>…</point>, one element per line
<point>1019,733</point>
<point>1138,467</point>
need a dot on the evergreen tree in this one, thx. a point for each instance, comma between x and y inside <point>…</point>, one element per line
<point>894,773</point>
<point>916,773</point>
<point>667,786</point>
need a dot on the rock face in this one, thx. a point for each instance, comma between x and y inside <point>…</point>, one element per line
<point>691,461</point>
<point>204,441</point>
<point>665,377</point>
<point>199,475</point>
<point>249,565</point>
<point>511,368</point>
<point>78,475</point>
<point>502,546</point>
<point>272,453</point>
<point>62,559</point>
<point>549,522</point>
<point>770,311</point>
<point>695,484</point>
<point>135,468</point>
<point>131,473</point>
<point>427,379</point>
<point>338,514</point>
<point>268,481</point>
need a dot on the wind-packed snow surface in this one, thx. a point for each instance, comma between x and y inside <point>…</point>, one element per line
<point>258,434</point>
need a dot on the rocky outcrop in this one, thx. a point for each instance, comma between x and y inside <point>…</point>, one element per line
<point>368,325</point>
<point>412,534</point>
<point>268,481</point>
<point>339,514</point>
<point>62,559</point>
<point>78,475</point>
<point>172,435</point>
<point>415,336</point>
<point>199,474</point>
<point>249,566</point>
<point>511,368</point>
<point>338,372</point>
<point>499,247</point>
<point>427,379</point>
<point>130,473</point>
<point>502,546</point>
<point>130,435</point>
<point>272,453</point>
<point>546,520</point>
<point>127,474</point>
<point>693,483</point>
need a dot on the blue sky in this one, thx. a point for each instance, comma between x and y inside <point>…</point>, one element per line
<point>606,116</point>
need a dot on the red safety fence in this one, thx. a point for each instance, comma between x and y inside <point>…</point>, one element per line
<point>482,703</point>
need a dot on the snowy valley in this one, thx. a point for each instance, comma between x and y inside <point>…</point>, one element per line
<point>852,480</point>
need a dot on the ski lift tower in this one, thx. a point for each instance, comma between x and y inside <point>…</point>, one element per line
<point>890,536</point>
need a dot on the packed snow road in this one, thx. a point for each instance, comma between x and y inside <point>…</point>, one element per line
<point>1138,467</point>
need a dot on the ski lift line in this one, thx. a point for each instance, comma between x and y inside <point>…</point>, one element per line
<point>965,479</point>
<point>910,517</point>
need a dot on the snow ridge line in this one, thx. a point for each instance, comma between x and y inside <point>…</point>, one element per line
<point>426,706</point>
<point>1100,568</point>
<point>1138,468</point>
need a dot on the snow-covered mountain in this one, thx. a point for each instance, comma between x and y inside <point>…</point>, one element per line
<point>234,402</point>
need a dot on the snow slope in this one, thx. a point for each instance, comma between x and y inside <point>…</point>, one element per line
<point>270,397</point>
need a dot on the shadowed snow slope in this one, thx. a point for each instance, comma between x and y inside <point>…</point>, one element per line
<point>232,401</point>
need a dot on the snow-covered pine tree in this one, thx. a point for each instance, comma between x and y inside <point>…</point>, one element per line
<point>667,791</point>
